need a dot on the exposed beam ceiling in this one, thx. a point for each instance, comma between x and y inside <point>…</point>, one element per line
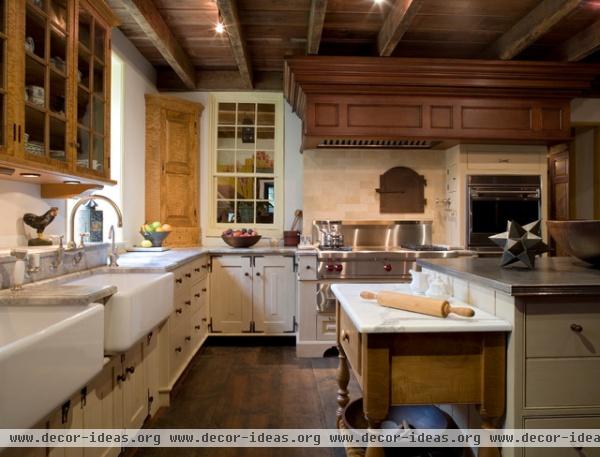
<point>218,80</point>
<point>147,16</point>
<point>316,20</point>
<point>532,26</point>
<point>231,20</point>
<point>396,24</point>
<point>581,45</point>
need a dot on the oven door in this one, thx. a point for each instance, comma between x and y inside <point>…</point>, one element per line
<point>490,211</point>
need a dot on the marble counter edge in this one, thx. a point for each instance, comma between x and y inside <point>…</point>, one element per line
<point>42,296</point>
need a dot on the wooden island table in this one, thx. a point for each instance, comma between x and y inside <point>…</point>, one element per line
<point>404,358</point>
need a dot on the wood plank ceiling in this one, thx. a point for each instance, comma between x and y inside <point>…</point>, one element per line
<point>179,37</point>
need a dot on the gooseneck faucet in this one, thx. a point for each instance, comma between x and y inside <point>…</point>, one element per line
<point>113,256</point>
<point>83,200</point>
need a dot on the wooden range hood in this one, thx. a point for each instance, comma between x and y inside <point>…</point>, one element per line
<point>420,103</point>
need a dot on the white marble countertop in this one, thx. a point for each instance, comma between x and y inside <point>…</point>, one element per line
<point>370,317</point>
<point>56,294</point>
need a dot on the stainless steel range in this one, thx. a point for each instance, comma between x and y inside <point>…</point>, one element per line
<point>371,252</point>
<point>378,250</point>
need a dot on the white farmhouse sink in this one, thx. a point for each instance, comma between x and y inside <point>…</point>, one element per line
<point>46,354</point>
<point>142,301</point>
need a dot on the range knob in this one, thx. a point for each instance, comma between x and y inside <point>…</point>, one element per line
<point>330,267</point>
<point>339,267</point>
<point>387,267</point>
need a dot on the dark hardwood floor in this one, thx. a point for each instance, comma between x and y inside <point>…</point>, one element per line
<point>252,387</point>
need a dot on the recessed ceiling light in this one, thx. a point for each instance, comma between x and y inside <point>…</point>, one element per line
<point>30,175</point>
<point>71,181</point>
<point>219,28</point>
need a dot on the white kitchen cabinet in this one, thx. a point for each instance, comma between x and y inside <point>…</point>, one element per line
<point>134,390</point>
<point>274,294</point>
<point>231,294</point>
<point>151,370</point>
<point>68,416</point>
<point>252,294</point>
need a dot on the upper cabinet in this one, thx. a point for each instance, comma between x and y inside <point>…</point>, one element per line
<point>55,98</point>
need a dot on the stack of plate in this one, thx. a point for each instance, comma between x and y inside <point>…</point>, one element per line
<point>35,148</point>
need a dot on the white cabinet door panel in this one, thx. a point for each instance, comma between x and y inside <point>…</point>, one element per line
<point>231,294</point>
<point>274,294</point>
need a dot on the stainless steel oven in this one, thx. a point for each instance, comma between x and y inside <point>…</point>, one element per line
<point>493,200</point>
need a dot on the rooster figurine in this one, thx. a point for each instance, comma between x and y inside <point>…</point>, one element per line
<point>40,223</point>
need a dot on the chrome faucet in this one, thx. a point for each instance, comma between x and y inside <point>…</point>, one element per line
<point>113,256</point>
<point>83,200</point>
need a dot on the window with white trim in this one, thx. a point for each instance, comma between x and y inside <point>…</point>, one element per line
<point>246,162</point>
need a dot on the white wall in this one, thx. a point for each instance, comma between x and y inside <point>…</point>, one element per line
<point>139,79</point>
<point>584,174</point>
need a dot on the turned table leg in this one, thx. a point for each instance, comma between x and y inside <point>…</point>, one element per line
<point>343,378</point>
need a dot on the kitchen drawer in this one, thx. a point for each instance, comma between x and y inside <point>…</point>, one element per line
<point>199,325</point>
<point>591,422</point>
<point>180,283</point>
<point>199,269</point>
<point>563,382</point>
<point>326,327</point>
<point>183,305</point>
<point>307,267</point>
<point>562,330</point>
<point>350,341</point>
<point>199,295</point>
<point>177,352</point>
<point>531,160</point>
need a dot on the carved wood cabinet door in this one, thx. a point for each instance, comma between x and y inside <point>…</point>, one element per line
<point>172,167</point>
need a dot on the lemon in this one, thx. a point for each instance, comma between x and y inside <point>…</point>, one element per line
<point>146,244</point>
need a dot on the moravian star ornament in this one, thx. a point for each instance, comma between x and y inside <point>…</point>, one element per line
<point>521,243</point>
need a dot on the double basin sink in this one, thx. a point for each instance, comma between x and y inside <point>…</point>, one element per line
<point>49,352</point>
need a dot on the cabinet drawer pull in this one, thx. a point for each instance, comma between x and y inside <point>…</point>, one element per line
<point>179,310</point>
<point>576,328</point>
<point>204,289</point>
<point>197,327</point>
<point>197,295</point>
<point>188,275</point>
<point>130,370</point>
<point>121,378</point>
<point>179,280</point>
<point>188,338</point>
<point>178,349</point>
<point>345,336</point>
<point>197,270</point>
<point>205,266</point>
<point>188,302</point>
<point>204,319</point>
<point>503,160</point>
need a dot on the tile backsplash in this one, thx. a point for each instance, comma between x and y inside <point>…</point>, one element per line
<point>341,183</point>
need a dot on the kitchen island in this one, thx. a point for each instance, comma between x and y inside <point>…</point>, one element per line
<point>402,358</point>
<point>553,352</point>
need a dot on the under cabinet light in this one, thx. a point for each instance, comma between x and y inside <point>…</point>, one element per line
<point>30,175</point>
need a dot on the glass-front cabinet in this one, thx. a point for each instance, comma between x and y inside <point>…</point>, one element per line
<point>54,94</point>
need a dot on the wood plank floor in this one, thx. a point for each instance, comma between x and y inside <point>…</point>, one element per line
<point>253,387</point>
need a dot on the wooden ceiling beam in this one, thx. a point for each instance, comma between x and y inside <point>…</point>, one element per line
<point>529,28</point>
<point>231,20</point>
<point>396,24</point>
<point>581,45</point>
<point>147,16</point>
<point>316,20</point>
<point>219,80</point>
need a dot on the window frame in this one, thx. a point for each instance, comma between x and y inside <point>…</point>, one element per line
<point>215,228</point>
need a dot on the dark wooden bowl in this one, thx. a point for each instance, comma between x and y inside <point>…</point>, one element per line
<point>580,239</point>
<point>241,241</point>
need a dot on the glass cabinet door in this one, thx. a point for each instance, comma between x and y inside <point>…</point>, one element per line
<point>47,78</point>
<point>92,104</point>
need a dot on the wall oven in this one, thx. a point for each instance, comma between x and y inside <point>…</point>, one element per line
<point>493,200</point>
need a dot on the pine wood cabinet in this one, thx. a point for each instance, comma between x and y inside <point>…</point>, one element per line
<point>55,88</point>
<point>172,167</point>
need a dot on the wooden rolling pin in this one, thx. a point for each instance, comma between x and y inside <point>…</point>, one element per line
<point>422,305</point>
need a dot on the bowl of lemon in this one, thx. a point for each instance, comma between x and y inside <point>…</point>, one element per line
<point>154,234</point>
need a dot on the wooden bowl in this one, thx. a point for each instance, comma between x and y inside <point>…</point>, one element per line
<point>241,241</point>
<point>580,239</point>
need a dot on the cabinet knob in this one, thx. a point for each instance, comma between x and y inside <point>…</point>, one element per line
<point>188,302</point>
<point>130,370</point>
<point>179,310</point>
<point>576,328</point>
<point>178,349</point>
<point>197,327</point>
<point>204,289</point>
<point>197,295</point>
<point>188,338</point>
<point>205,266</point>
<point>257,274</point>
<point>204,319</point>
<point>197,270</point>
<point>179,280</point>
<point>345,337</point>
<point>246,274</point>
<point>308,267</point>
<point>121,378</point>
<point>188,275</point>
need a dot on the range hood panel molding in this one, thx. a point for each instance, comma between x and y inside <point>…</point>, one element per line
<point>377,101</point>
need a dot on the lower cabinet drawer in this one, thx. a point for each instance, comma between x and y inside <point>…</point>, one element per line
<point>561,330</point>
<point>326,327</point>
<point>177,349</point>
<point>563,422</point>
<point>562,382</point>
<point>350,341</point>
